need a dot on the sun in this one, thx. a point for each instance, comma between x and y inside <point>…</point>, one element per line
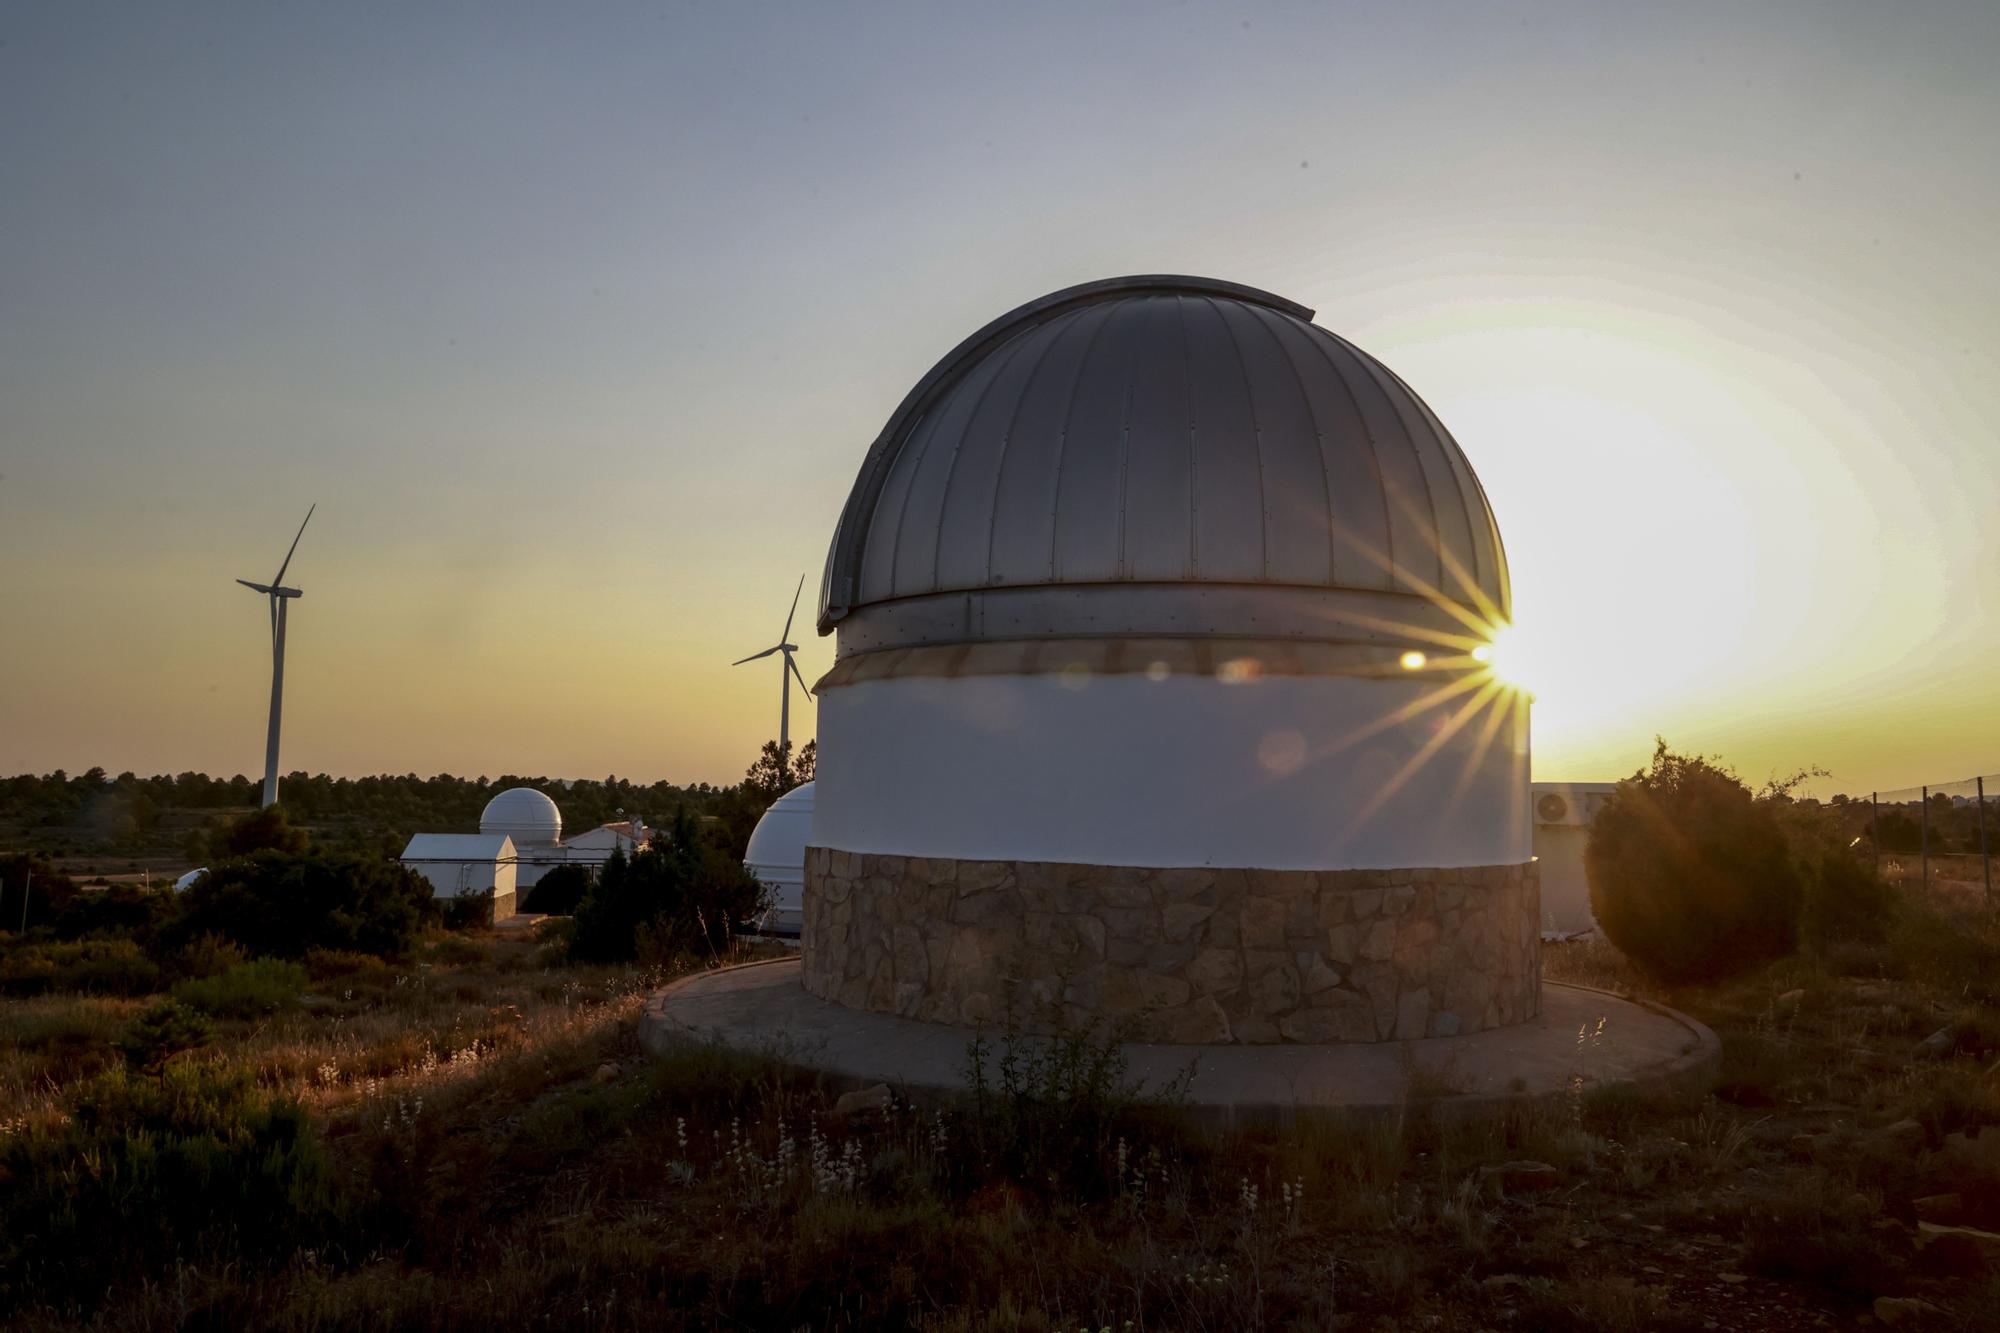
<point>1506,655</point>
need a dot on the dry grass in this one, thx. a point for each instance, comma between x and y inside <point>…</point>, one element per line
<point>507,1178</point>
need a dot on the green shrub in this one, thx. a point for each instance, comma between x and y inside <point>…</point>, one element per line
<point>101,967</point>
<point>1899,833</point>
<point>455,950</point>
<point>468,910</point>
<point>1690,875</point>
<point>325,965</point>
<point>558,892</point>
<point>1045,1107</point>
<point>279,905</point>
<point>32,891</point>
<point>268,828</point>
<point>258,987</point>
<point>122,910</point>
<point>192,1166</point>
<point>1846,901</point>
<point>206,956</point>
<point>688,894</point>
<point>161,1033</point>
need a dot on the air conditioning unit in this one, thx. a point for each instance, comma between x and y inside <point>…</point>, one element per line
<point>1572,803</point>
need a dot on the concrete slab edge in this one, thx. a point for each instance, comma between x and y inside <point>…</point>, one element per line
<point>1691,1073</point>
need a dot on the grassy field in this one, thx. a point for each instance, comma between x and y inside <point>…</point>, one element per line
<point>499,1153</point>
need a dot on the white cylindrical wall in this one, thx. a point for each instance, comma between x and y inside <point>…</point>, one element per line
<point>1277,772</point>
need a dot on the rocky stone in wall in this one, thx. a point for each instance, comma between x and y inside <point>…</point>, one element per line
<point>1179,955</point>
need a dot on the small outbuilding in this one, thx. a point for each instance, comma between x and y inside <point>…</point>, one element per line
<point>1563,814</point>
<point>594,848</point>
<point>460,863</point>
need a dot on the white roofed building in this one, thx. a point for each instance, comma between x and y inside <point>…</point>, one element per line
<point>531,824</point>
<point>460,863</point>
<point>596,846</point>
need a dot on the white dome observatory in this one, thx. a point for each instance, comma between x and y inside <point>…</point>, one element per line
<point>776,856</point>
<point>1161,690</point>
<point>527,816</point>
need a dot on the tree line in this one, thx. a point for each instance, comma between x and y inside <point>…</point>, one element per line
<point>61,813</point>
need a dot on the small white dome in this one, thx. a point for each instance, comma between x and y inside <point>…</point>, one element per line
<point>525,815</point>
<point>777,855</point>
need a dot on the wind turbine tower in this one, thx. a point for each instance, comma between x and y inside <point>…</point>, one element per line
<point>785,677</point>
<point>280,597</point>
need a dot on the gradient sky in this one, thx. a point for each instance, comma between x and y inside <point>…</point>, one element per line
<point>576,321</point>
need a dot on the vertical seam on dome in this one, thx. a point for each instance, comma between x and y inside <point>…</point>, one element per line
<point>1121,566</point>
<point>1194,475</point>
<point>1013,350</point>
<point>1062,436</point>
<point>1014,422</point>
<point>1374,452</point>
<point>902,510</point>
<point>1264,322</point>
<point>1503,582</point>
<point>1375,370</point>
<point>1461,469</point>
<point>1257,434</point>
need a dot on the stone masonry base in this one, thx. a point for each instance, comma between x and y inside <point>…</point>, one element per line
<point>1186,955</point>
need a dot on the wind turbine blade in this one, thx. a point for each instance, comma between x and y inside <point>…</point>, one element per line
<point>795,671</point>
<point>786,637</point>
<point>255,587</point>
<point>753,657</point>
<point>295,546</point>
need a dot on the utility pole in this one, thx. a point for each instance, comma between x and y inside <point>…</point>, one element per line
<point>26,884</point>
<point>1985,861</point>
<point>1875,826</point>
<point>1927,838</point>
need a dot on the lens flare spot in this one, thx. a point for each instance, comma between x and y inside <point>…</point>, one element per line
<point>1282,752</point>
<point>1156,671</point>
<point>1075,676</point>
<point>1237,671</point>
<point>1413,660</point>
<point>1483,653</point>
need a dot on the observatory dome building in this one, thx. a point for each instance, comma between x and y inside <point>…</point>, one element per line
<point>531,820</point>
<point>1162,691</point>
<point>527,816</point>
<point>776,856</point>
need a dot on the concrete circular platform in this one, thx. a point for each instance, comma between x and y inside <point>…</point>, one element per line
<point>762,1009</point>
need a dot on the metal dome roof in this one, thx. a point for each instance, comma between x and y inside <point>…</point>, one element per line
<point>1176,456</point>
<point>528,816</point>
<point>777,848</point>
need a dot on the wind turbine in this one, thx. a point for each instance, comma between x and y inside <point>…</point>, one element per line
<point>280,595</point>
<point>787,647</point>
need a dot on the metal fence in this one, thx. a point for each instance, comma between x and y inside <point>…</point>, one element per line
<point>1941,837</point>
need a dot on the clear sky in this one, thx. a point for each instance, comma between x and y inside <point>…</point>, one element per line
<point>576,321</point>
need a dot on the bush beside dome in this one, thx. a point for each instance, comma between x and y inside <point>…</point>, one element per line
<point>1124,724</point>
